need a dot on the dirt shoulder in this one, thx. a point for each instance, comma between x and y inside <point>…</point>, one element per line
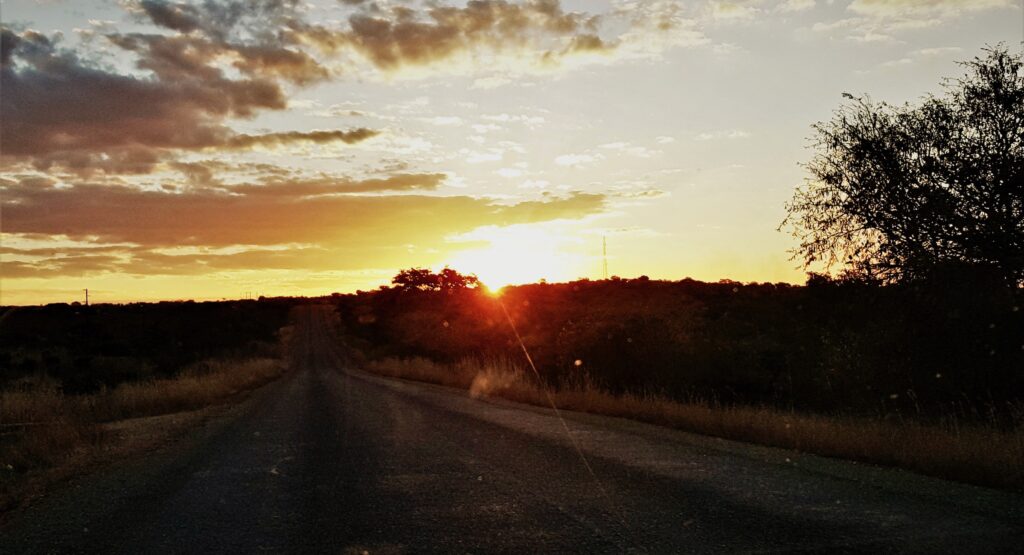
<point>115,442</point>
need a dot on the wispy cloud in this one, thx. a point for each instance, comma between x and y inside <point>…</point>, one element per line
<point>899,9</point>
<point>875,21</point>
<point>722,134</point>
<point>790,6</point>
<point>577,160</point>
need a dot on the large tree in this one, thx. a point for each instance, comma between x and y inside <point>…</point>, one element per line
<point>904,192</point>
<point>421,279</point>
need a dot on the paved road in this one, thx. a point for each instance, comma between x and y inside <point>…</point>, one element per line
<point>337,461</point>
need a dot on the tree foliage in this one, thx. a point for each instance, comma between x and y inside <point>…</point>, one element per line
<point>902,193</point>
<point>421,279</point>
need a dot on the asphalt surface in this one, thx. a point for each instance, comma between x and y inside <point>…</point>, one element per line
<point>332,460</point>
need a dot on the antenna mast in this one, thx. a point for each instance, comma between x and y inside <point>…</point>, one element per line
<point>86,297</point>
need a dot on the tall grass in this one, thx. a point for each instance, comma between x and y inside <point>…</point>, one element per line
<point>201,385</point>
<point>40,427</point>
<point>984,455</point>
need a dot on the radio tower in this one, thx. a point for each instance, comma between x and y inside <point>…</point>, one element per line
<point>604,255</point>
<point>86,297</point>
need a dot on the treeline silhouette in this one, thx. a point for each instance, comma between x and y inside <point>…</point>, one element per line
<point>90,347</point>
<point>927,351</point>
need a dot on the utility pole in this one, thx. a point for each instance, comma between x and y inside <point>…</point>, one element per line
<point>86,297</point>
<point>604,255</point>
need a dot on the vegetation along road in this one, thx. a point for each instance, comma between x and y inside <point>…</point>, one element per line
<point>330,459</point>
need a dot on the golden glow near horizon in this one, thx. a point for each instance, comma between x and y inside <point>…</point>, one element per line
<point>520,254</point>
<point>157,149</point>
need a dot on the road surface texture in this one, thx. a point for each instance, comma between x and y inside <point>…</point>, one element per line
<point>332,460</point>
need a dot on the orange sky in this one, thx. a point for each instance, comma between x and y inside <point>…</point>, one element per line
<point>155,149</point>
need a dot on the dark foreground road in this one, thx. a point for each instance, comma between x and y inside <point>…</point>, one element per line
<point>336,461</point>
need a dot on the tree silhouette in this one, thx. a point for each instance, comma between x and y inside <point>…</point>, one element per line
<point>421,279</point>
<point>909,192</point>
<point>450,279</point>
<point>416,279</point>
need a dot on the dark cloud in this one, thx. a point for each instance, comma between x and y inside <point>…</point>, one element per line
<point>333,186</point>
<point>179,17</point>
<point>269,179</point>
<point>60,111</point>
<point>402,36</point>
<point>250,35</point>
<point>189,57</point>
<point>209,173</point>
<point>52,102</point>
<point>316,137</point>
<point>124,160</point>
<point>224,21</point>
<point>8,42</point>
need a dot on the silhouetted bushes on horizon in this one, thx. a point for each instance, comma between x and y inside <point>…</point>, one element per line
<point>89,347</point>
<point>936,351</point>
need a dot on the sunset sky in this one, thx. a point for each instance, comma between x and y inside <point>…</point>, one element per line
<point>163,150</point>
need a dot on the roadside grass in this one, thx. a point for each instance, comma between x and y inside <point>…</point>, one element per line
<point>974,453</point>
<point>41,428</point>
<point>200,385</point>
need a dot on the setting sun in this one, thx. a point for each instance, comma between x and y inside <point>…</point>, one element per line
<point>519,254</point>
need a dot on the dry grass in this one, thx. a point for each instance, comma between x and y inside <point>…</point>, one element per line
<point>974,454</point>
<point>205,384</point>
<point>41,428</point>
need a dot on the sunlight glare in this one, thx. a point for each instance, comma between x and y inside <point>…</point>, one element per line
<point>518,254</point>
